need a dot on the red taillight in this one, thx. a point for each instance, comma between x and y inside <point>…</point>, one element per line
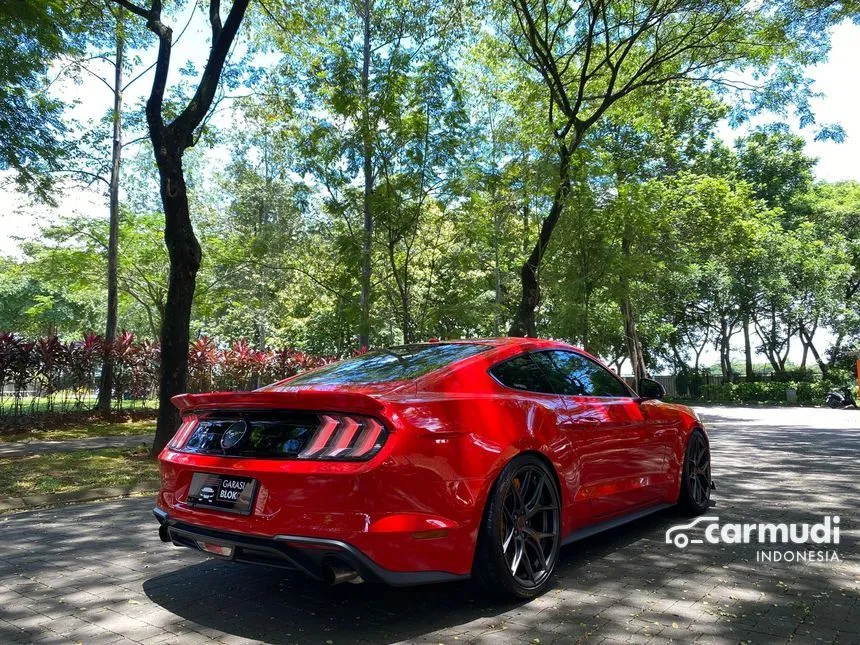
<point>184,431</point>
<point>345,437</point>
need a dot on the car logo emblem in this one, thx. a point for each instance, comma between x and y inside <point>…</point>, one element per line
<point>233,435</point>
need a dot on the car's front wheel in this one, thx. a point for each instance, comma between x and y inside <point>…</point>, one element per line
<point>521,532</point>
<point>696,476</point>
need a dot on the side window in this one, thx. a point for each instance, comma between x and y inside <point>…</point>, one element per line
<point>572,374</point>
<point>522,373</point>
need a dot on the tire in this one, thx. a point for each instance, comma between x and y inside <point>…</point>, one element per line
<point>695,497</point>
<point>834,402</point>
<point>520,535</point>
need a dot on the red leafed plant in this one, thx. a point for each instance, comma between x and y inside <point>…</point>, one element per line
<point>203,358</point>
<point>54,375</point>
<point>84,358</point>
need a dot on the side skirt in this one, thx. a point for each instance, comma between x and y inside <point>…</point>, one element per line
<point>594,529</point>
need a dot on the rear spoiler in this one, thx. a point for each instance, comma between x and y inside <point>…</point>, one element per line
<point>321,400</point>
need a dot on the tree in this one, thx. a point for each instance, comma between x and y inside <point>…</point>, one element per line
<point>352,63</point>
<point>111,31</point>
<point>35,32</point>
<point>592,55</point>
<point>834,210</point>
<point>170,140</point>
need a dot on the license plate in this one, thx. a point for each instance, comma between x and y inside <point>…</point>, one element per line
<point>222,492</point>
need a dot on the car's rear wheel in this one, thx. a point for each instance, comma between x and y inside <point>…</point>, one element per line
<point>521,532</point>
<point>696,476</point>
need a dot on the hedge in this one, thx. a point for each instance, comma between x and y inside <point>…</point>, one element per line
<point>46,374</point>
<point>770,392</point>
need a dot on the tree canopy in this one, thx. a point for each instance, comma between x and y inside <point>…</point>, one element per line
<point>378,172</point>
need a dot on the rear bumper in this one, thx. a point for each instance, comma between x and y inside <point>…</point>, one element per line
<point>405,514</point>
<point>297,553</point>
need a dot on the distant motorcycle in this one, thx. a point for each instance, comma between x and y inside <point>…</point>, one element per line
<point>841,399</point>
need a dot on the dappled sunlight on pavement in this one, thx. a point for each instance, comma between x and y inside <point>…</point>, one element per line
<point>98,573</point>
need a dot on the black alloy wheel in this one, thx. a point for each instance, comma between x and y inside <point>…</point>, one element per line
<point>521,535</point>
<point>696,476</point>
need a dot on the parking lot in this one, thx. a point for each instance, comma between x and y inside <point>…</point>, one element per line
<point>97,573</point>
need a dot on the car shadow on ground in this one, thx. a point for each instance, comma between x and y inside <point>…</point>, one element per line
<point>284,607</point>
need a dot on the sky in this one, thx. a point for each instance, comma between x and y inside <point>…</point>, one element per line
<point>838,81</point>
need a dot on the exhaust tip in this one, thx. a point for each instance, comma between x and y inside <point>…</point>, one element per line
<point>335,571</point>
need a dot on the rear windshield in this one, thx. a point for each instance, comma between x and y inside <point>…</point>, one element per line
<point>392,364</point>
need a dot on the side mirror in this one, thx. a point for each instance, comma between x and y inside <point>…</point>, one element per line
<point>650,389</point>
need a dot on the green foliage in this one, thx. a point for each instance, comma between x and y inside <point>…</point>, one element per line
<point>32,132</point>
<point>809,393</point>
<point>698,239</point>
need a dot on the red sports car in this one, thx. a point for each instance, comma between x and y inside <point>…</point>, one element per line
<point>429,462</point>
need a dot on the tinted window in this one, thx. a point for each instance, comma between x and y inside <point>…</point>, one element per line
<point>393,364</point>
<point>575,375</point>
<point>522,373</point>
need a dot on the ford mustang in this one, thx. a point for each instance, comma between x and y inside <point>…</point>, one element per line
<point>429,462</point>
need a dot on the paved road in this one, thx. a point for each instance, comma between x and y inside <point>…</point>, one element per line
<point>97,573</point>
<point>27,448</point>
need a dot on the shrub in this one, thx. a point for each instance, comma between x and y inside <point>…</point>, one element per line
<point>721,392</point>
<point>46,368</point>
<point>811,392</point>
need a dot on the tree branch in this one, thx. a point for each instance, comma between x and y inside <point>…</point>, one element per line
<point>222,39</point>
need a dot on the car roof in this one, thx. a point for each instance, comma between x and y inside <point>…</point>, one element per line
<point>506,341</point>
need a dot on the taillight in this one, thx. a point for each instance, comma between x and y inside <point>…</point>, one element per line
<point>345,437</point>
<point>181,437</point>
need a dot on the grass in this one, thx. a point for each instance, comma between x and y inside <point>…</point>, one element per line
<point>72,471</point>
<point>90,428</point>
<point>63,402</point>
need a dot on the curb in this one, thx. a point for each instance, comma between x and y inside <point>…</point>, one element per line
<point>92,494</point>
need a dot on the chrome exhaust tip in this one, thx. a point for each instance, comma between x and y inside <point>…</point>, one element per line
<point>336,571</point>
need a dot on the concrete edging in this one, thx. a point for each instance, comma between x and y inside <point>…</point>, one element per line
<point>89,495</point>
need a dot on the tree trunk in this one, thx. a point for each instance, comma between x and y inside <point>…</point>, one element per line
<point>106,381</point>
<point>497,274</point>
<point>526,227</point>
<point>806,339</point>
<point>725,357</point>
<point>169,142</point>
<point>524,323</point>
<point>185,255</point>
<point>586,320</point>
<point>631,336</point>
<point>748,347</point>
<point>634,346</point>
<point>367,145</point>
<point>407,319</point>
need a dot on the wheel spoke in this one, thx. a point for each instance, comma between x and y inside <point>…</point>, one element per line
<point>537,536</point>
<point>704,486</point>
<point>542,508</point>
<point>541,556</point>
<point>508,540</point>
<point>534,498</point>
<point>518,556</point>
<point>529,568</point>
<point>518,486</point>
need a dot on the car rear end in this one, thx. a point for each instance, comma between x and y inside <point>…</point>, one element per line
<point>336,483</point>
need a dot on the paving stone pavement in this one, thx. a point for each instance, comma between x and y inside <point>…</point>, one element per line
<point>97,573</point>
<point>27,448</point>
